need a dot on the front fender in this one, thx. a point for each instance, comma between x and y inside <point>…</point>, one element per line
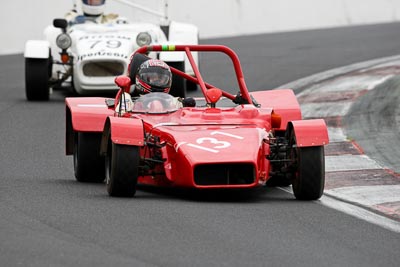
<point>124,131</point>
<point>37,49</point>
<point>309,132</point>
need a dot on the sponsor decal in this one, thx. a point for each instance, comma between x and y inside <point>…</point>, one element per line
<point>158,63</point>
<point>107,45</point>
<point>102,54</point>
<point>108,36</point>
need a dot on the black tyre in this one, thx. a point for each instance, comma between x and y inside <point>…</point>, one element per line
<point>88,164</point>
<point>308,176</point>
<point>122,164</point>
<point>37,75</point>
<point>178,88</point>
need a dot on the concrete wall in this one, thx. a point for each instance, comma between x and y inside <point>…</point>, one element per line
<point>24,20</point>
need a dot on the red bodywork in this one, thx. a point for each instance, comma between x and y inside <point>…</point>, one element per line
<point>201,147</point>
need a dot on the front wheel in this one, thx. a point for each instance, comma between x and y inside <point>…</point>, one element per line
<point>37,75</point>
<point>122,163</point>
<point>88,163</point>
<point>308,171</point>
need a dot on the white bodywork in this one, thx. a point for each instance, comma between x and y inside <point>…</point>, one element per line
<point>100,52</point>
<point>37,49</point>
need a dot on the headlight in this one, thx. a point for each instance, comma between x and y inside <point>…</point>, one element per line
<point>143,38</point>
<point>63,41</point>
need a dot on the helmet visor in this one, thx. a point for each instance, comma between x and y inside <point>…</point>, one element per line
<point>156,77</point>
<point>93,2</point>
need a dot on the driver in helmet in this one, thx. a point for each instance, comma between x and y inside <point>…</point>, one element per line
<point>152,76</point>
<point>93,11</point>
<point>93,7</point>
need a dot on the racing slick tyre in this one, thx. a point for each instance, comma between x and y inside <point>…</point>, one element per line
<point>178,87</point>
<point>37,75</point>
<point>308,177</point>
<point>122,163</point>
<point>88,163</point>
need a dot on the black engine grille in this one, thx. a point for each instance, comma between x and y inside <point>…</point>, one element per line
<point>224,174</point>
<point>103,69</point>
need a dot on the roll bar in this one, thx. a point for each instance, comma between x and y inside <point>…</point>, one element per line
<point>198,79</point>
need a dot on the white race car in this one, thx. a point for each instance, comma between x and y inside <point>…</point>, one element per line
<point>86,55</point>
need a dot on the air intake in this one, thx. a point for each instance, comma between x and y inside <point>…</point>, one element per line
<point>103,69</point>
<point>224,174</point>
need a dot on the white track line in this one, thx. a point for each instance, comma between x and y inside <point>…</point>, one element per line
<point>350,163</point>
<point>336,135</point>
<point>355,211</point>
<point>324,110</point>
<point>361,213</point>
<point>367,195</point>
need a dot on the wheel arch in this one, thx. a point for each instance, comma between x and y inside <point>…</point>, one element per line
<point>308,133</point>
<point>123,131</point>
<point>38,49</point>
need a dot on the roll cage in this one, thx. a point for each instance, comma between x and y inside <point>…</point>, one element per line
<point>243,98</point>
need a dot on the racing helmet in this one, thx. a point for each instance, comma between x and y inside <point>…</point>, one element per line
<point>93,7</point>
<point>153,75</point>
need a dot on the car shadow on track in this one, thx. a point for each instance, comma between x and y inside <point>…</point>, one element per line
<point>253,195</point>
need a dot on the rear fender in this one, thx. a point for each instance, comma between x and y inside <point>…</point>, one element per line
<point>123,131</point>
<point>283,102</point>
<point>88,114</point>
<point>84,115</point>
<point>37,49</point>
<point>309,132</point>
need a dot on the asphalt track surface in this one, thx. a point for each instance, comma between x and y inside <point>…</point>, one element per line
<point>49,219</point>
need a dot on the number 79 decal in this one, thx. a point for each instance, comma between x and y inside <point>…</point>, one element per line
<point>109,43</point>
<point>214,144</point>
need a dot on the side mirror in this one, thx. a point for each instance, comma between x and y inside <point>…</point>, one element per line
<point>123,82</point>
<point>60,23</point>
<point>213,95</point>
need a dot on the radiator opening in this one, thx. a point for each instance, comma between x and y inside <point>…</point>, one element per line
<point>224,174</point>
<point>103,69</point>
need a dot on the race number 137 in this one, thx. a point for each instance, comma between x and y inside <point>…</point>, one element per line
<point>214,144</point>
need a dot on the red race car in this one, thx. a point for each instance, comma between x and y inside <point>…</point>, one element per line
<point>259,139</point>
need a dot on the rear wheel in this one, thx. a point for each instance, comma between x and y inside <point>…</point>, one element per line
<point>88,164</point>
<point>308,176</point>
<point>178,88</point>
<point>122,164</point>
<point>37,75</point>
